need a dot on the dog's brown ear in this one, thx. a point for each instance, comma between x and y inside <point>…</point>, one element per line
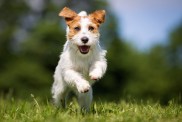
<point>98,16</point>
<point>68,14</point>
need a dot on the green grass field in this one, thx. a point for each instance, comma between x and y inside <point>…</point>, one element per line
<point>33,110</point>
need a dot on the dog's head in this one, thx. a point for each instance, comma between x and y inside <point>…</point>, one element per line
<point>83,29</point>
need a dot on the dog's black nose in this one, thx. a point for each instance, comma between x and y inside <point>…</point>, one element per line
<point>84,39</point>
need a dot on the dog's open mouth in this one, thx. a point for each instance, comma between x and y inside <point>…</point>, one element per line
<point>84,49</point>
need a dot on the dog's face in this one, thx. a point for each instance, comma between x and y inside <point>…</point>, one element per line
<point>83,29</point>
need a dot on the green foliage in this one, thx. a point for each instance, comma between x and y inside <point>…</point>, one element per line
<point>23,77</point>
<point>123,111</point>
<point>150,75</point>
<point>174,56</point>
<point>45,44</point>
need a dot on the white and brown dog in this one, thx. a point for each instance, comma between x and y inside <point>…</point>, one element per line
<point>82,61</point>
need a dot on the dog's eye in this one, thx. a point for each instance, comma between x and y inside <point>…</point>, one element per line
<point>77,28</point>
<point>90,28</point>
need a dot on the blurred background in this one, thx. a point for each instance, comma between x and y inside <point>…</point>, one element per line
<point>143,39</point>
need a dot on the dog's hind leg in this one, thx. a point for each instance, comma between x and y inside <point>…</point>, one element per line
<point>85,99</point>
<point>59,93</point>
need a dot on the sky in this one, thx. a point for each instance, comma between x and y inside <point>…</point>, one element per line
<point>145,23</point>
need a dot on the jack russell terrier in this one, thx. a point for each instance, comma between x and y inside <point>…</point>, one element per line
<point>82,61</point>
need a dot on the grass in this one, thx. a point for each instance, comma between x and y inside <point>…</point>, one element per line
<point>33,110</point>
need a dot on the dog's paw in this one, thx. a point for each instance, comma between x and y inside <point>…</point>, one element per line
<point>83,87</point>
<point>95,75</point>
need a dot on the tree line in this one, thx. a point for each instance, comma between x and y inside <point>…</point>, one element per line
<point>31,40</point>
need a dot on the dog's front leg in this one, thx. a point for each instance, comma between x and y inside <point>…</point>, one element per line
<point>98,69</point>
<point>85,100</point>
<point>74,78</point>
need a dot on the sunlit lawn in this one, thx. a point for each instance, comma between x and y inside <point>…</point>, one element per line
<point>33,110</point>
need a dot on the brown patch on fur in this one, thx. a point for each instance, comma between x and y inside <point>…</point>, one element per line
<point>97,17</point>
<point>68,14</point>
<point>72,20</point>
<point>74,23</point>
<point>95,26</point>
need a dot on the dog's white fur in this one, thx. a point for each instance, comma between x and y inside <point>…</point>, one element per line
<point>76,71</point>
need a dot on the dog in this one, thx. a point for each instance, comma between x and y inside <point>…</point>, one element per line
<point>82,61</point>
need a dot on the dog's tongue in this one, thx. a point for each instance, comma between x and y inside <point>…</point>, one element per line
<point>84,49</point>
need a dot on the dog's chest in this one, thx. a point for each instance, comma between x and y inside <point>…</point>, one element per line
<point>82,66</point>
